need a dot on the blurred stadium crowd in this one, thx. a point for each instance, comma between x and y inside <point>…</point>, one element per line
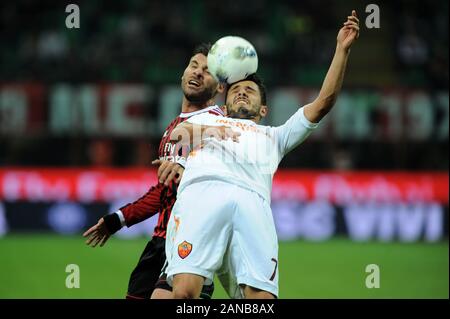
<point>149,42</point>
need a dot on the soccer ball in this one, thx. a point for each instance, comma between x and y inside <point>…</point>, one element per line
<point>232,59</point>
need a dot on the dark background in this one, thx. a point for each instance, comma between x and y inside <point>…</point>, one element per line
<point>148,43</point>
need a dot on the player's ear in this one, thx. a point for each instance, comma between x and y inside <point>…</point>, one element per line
<point>220,88</point>
<point>263,111</point>
<point>224,109</point>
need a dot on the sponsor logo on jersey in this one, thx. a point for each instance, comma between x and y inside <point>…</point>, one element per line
<point>184,249</point>
<point>169,148</point>
<point>242,126</point>
<point>175,159</point>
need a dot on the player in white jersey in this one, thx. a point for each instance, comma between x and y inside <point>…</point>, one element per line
<point>222,221</point>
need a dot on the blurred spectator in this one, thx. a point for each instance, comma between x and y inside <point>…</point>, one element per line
<point>100,153</point>
<point>145,40</point>
<point>144,154</point>
<point>438,68</point>
<point>52,45</point>
<point>342,160</point>
<point>412,49</point>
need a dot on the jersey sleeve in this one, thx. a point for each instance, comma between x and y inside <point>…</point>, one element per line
<point>143,208</point>
<point>292,133</point>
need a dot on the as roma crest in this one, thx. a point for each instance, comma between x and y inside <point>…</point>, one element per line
<point>184,249</point>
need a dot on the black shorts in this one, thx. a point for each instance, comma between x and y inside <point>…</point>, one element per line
<point>148,272</point>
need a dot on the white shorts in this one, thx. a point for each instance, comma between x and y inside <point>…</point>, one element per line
<point>220,228</point>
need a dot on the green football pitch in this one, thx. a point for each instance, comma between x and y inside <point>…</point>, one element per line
<point>34,266</point>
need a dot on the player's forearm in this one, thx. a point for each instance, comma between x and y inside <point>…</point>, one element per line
<point>190,134</point>
<point>333,80</point>
<point>331,87</point>
<point>144,207</point>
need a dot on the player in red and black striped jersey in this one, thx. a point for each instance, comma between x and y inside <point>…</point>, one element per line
<point>199,89</point>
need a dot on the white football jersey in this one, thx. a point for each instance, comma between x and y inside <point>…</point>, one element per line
<point>249,163</point>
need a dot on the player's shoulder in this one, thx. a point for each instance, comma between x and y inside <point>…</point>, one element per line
<point>216,110</point>
<point>210,110</point>
<point>208,116</point>
<point>174,122</point>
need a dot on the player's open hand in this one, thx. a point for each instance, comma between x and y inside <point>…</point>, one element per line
<point>168,171</point>
<point>97,234</point>
<point>349,32</point>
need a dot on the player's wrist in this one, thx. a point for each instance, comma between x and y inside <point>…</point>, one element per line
<point>112,223</point>
<point>340,49</point>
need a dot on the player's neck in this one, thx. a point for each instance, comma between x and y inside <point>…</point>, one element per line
<point>187,106</point>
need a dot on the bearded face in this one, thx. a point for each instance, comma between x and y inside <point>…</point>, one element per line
<point>198,85</point>
<point>244,101</point>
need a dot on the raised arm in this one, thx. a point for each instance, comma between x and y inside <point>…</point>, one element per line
<point>332,84</point>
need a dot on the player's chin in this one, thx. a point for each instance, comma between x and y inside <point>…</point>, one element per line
<point>195,90</point>
<point>196,96</point>
<point>241,103</point>
<point>240,107</point>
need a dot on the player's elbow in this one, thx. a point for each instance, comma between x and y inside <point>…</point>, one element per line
<point>324,105</point>
<point>327,102</point>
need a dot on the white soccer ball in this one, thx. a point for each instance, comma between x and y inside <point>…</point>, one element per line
<point>232,59</point>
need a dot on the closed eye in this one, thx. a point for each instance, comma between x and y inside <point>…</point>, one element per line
<point>234,89</point>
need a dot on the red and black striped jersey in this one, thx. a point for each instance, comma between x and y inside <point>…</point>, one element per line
<point>159,198</point>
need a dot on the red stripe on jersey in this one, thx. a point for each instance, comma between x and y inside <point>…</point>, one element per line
<point>143,208</point>
<point>166,138</point>
<point>219,110</point>
<point>214,112</point>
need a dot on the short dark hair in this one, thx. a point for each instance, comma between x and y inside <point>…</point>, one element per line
<point>202,48</point>
<point>259,82</point>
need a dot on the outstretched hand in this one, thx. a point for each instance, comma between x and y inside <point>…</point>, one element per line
<point>349,32</point>
<point>97,234</point>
